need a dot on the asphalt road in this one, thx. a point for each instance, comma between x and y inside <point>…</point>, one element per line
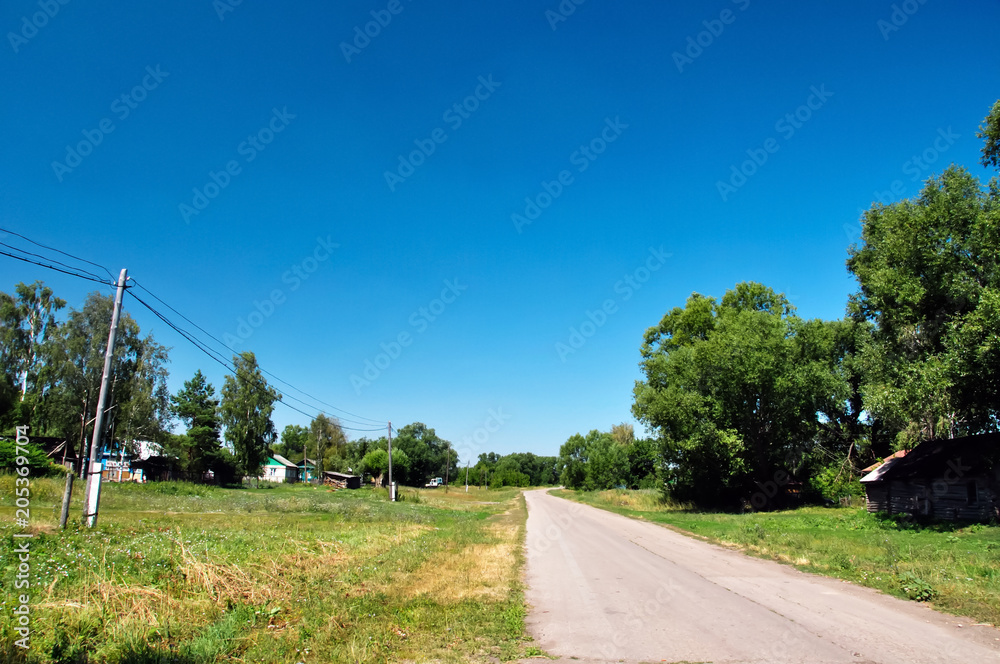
<point>605,588</point>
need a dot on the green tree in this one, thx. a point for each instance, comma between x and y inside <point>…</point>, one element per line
<point>929,276</point>
<point>427,453</point>
<point>732,389</point>
<point>294,443</point>
<point>328,438</point>
<point>195,404</point>
<point>989,131</point>
<point>376,464</point>
<point>246,407</point>
<point>27,328</point>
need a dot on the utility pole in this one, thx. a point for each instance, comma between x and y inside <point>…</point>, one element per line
<point>447,463</point>
<point>92,495</point>
<point>392,495</point>
<point>467,477</point>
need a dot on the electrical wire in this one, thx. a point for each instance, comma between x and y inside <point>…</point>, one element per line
<point>233,350</point>
<point>215,356</point>
<point>53,267</point>
<point>59,251</point>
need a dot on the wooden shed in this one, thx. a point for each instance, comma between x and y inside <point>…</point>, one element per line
<point>953,479</point>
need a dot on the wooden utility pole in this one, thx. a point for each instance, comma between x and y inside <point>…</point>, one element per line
<point>92,495</point>
<point>392,494</point>
<point>467,477</point>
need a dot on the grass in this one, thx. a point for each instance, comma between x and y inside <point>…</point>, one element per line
<point>954,567</point>
<point>176,572</point>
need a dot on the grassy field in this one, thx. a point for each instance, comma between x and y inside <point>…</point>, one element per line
<point>183,573</point>
<point>953,567</point>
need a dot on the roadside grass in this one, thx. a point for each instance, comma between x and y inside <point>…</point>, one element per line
<point>953,567</point>
<point>176,572</point>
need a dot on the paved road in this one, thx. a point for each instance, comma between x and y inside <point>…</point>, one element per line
<point>605,588</point>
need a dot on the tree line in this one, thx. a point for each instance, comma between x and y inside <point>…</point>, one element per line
<point>746,398</point>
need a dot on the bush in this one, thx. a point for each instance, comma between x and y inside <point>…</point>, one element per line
<point>38,462</point>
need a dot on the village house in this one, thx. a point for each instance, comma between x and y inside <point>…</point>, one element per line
<point>956,479</point>
<point>280,469</point>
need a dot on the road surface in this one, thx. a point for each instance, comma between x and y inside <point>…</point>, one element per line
<point>605,588</point>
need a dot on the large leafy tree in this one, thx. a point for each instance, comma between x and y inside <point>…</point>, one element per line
<point>196,405</point>
<point>330,443</point>
<point>139,405</point>
<point>428,454</point>
<point>246,407</point>
<point>929,276</point>
<point>733,389</point>
<point>27,328</point>
<point>294,443</point>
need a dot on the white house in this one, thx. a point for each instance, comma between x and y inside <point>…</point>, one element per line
<point>280,469</point>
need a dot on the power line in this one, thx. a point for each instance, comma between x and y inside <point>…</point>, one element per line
<point>52,267</point>
<point>187,335</point>
<point>215,356</point>
<point>233,350</point>
<point>59,251</point>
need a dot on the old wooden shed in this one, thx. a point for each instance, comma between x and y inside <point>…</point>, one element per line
<point>954,479</point>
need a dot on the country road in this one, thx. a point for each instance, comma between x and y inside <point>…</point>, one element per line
<point>605,588</point>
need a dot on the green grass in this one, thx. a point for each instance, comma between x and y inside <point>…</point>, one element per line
<point>176,572</point>
<point>955,567</point>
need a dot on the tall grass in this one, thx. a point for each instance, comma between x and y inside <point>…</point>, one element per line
<point>188,573</point>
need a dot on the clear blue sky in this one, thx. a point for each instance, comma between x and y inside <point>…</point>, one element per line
<point>266,91</point>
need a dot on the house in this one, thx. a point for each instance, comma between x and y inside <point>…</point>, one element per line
<point>954,479</point>
<point>307,469</point>
<point>280,469</point>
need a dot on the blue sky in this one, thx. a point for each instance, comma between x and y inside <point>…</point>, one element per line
<point>267,164</point>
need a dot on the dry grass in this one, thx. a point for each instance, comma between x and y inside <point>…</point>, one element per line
<point>228,583</point>
<point>476,571</point>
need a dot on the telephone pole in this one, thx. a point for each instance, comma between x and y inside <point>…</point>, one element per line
<point>92,495</point>
<point>392,494</point>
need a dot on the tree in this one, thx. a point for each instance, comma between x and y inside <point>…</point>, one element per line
<point>247,404</point>
<point>376,463</point>
<point>732,390</point>
<point>427,453</point>
<point>27,327</point>
<point>929,282</point>
<point>294,443</point>
<point>195,404</point>
<point>328,436</point>
<point>989,131</point>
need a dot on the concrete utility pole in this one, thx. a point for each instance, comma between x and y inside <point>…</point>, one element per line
<point>447,463</point>
<point>467,477</point>
<point>392,494</point>
<point>92,495</point>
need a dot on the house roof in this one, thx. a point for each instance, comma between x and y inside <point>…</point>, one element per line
<point>901,453</point>
<point>283,461</point>
<point>933,458</point>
